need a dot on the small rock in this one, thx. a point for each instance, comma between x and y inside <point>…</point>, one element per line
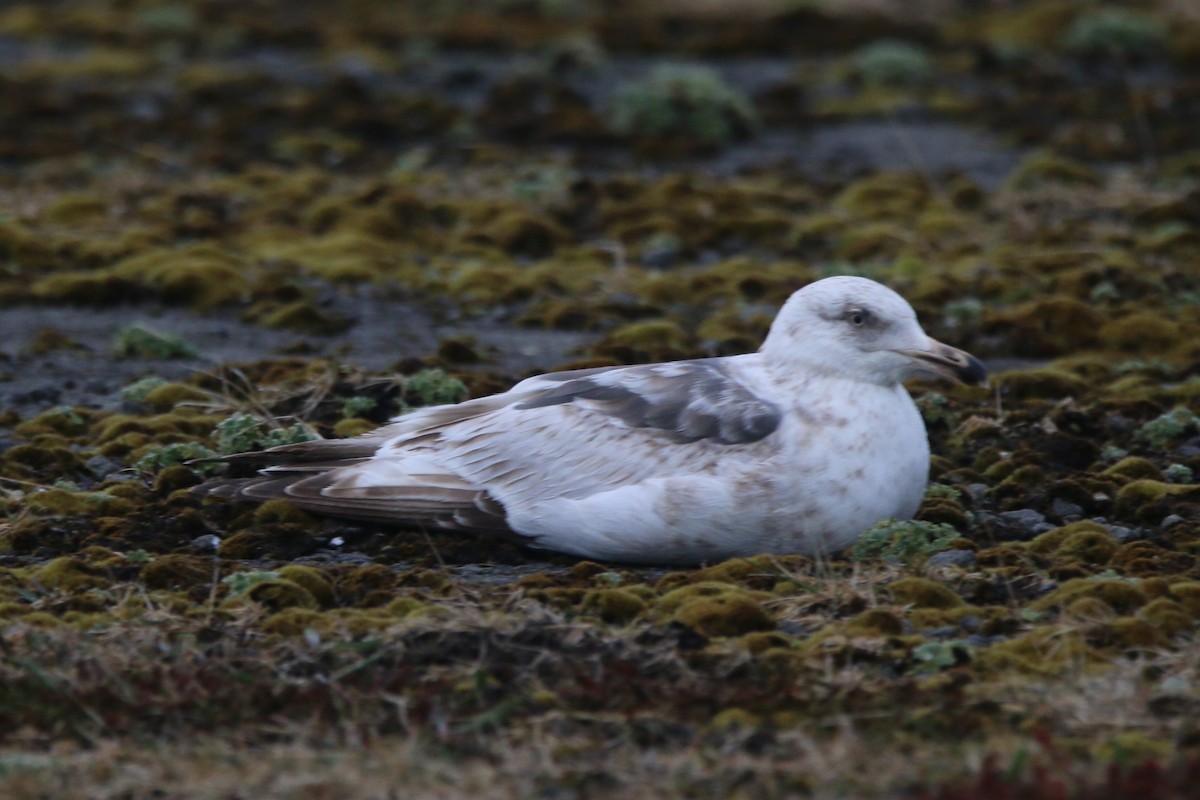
<point>1065,510</point>
<point>970,623</point>
<point>206,541</point>
<point>103,466</point>
<point>1123,534</point>
<point>1169,521</point>
<point>951,558</point>
<point>977,490</point>
<point>1022,524</point>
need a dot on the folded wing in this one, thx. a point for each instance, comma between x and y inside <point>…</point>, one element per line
<point>568,434</point>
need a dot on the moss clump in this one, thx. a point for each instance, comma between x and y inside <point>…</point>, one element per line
<point>175,571</point>
<point>1053,541</point>
<point>1120,33</point>
<point>1188,595</point>
<point>1174,424</point>
<point>876,622</point>
<point>201,275</point>
<point>280,594</point>
<point>281,512</point>
<point>716,609</point>
<point>64,502</point>
<point>61,420</point>
<point>69,574</point>
<point>311,579</point>
<point>614,605</point>
<point>903,541</point>
<point>293,621</point>
<point>433,387</point>
<point>924,593</point>
<point>1121,596</point>
<point>1141,498</point>
<point>166,396</point>
<point>1167,616</point>
<point>1044,651</point>
<point>355,426</point>
<point>1134,467</point>
<point>1141,333</point>
<point>892,62</point>
<point>138,341</point>
<point>683,102</point>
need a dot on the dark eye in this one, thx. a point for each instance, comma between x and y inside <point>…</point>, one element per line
<point>858,317</point>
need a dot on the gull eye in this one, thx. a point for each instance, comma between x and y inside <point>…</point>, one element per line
<point>858,317</point>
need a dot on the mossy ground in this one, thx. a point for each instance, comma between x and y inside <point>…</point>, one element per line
<point>303,196</point>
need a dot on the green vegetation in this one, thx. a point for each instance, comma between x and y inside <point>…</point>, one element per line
<point>904,541</point>
<point>1115,32</point>
<point>138,341</point>
<point>890,62</point>
<point>684,102</point>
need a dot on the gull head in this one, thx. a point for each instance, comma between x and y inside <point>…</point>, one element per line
<point>858,329</point>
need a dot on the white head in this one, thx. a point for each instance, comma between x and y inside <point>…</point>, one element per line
<point>861,330</point>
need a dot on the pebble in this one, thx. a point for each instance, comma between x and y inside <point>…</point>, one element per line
<point>1172,520</point>
<point>1066,510</point>
<point>206,541</point>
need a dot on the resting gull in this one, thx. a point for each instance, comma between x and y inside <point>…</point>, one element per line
<point>797,448</point>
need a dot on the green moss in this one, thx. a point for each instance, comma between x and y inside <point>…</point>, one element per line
<point>300,315</point>
<point>1146,333</point>
<point>1116,33</point>
<point>293,621</point>
<point>73,503</point>
<point>1120,595</point>
<point>1188,595</point>
<point>1134,467</point>
<point>1134,495</point>
<point>62,420</point>
<point>175,571</point>
<point>281,512</point>
<point>138,341</point>
<point>1051,541</point>
<point>923,593</point>
<point>166,396</point>
<point>280,594</point>
<point>891,62</point>
<point>313,580</point>
<point>716,609</point>
<point>614,605</point>
<point>876,622</point>
<point>682,102</point>
<point>1167,616</point>
<point>200,275</point>
<point>1090,546</point>
<point>69,574</point>
<point>1039,169</point>
<point>349,428</point>
<point>405,606</point>
<point>1044,651</point>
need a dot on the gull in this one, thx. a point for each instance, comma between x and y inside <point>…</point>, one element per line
<point>796,448</point>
